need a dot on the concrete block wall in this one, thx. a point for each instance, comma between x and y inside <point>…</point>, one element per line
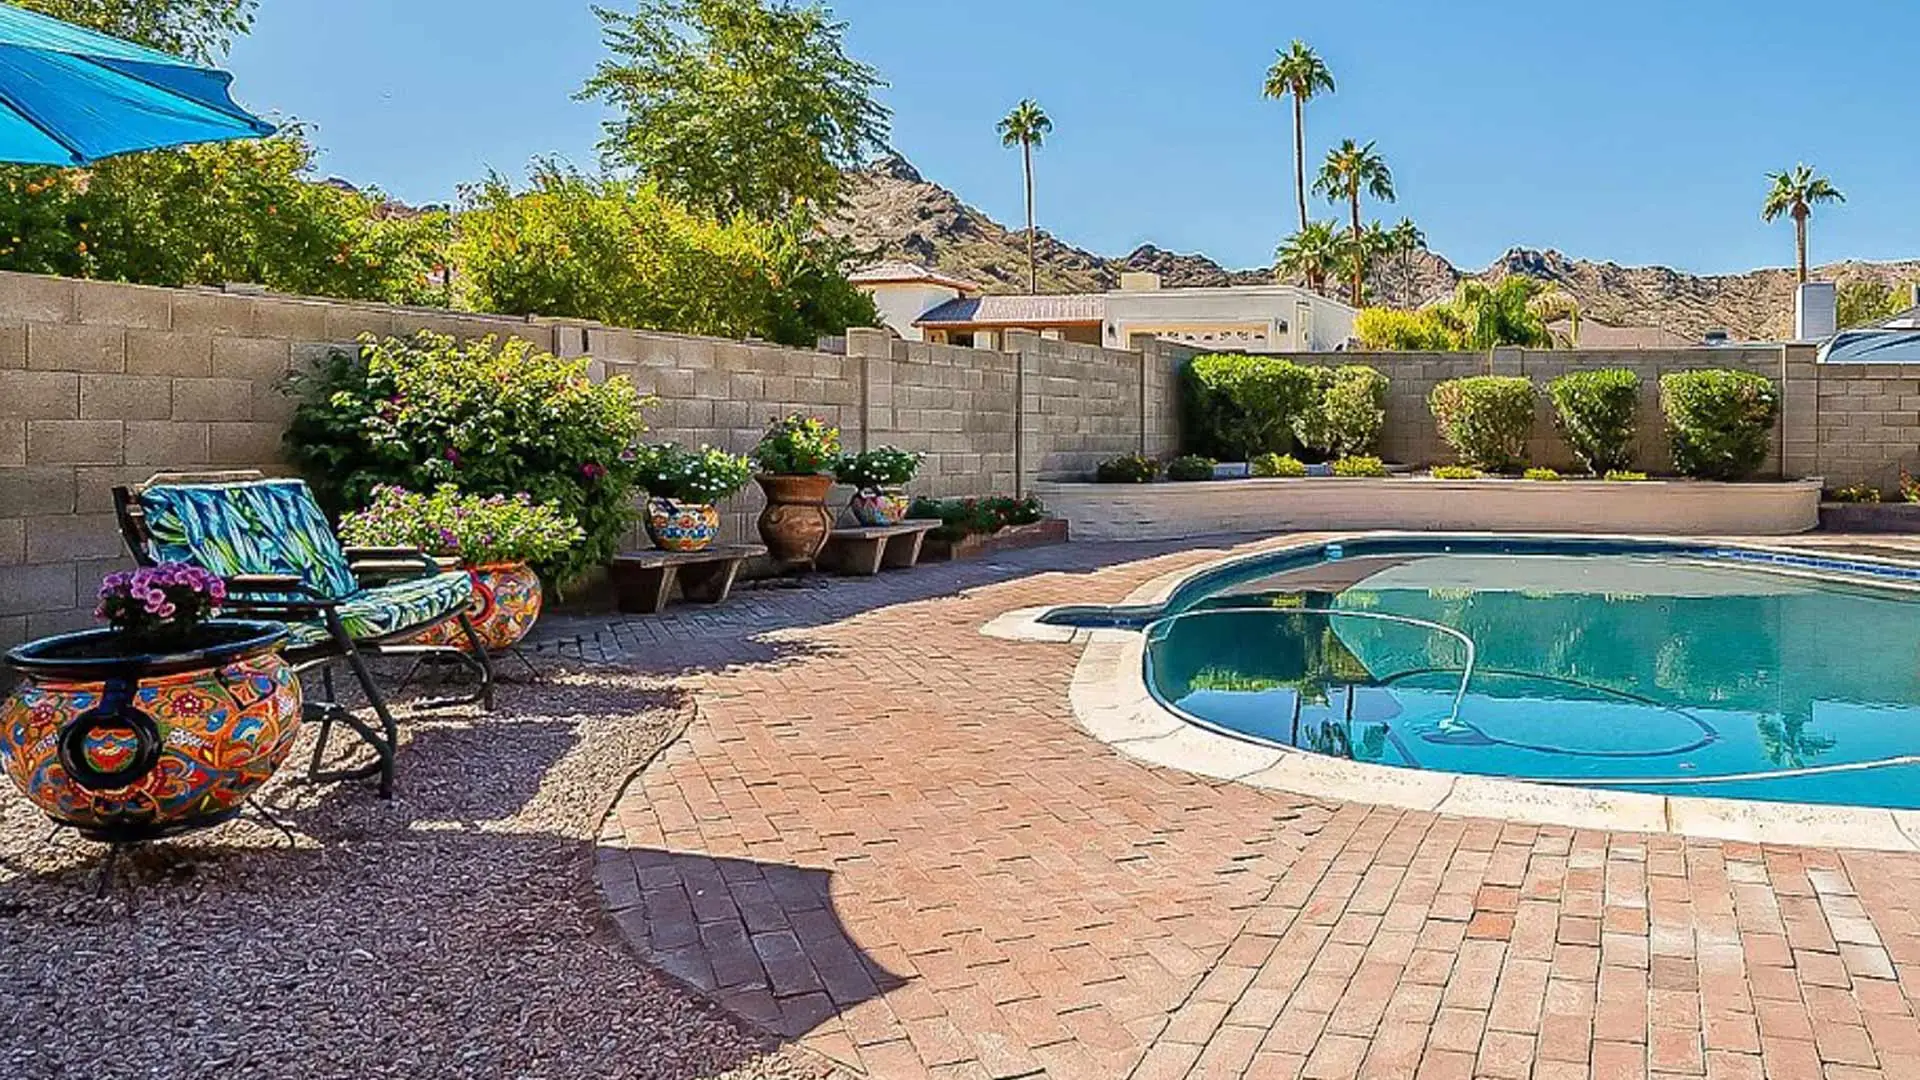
<point>104,384</point>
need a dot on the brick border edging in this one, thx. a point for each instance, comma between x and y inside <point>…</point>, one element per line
<point>1112,703</point>
<point>772,1041</point>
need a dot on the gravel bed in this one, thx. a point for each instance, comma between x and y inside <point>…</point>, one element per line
<point>453,932</point>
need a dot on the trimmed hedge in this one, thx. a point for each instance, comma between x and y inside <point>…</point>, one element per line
<point>1127,469</point>
<point>1596,411</point>
<point>1720,422</point>
<point>1190,468</point>
<point>1347,413</point>
<point>1486,419</point>
<point>1247,405</point>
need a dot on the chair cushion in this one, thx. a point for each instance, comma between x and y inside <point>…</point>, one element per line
<point>390,610</point>
<point>256,527</point>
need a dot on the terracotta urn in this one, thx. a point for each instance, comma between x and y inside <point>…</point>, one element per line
<point>507,599</point>
<point>682,526</point>
<point>126,745</point>
<point>880,508</point>
<point>796,523</point>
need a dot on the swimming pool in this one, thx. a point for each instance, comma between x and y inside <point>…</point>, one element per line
<point>1650,666</point>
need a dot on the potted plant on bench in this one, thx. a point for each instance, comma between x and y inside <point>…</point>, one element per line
<point>795,458</point>
<point>494,538</point>
<point>878,477</point>
<point>684,487</point>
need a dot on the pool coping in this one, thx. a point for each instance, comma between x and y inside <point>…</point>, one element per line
<point>1111,702</point>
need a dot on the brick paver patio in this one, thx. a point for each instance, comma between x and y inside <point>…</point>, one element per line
<point>885,837</point>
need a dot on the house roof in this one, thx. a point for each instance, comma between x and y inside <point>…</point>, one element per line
<point>1067,309</point>
<point>906,273</point>
<point>1906,320</point>
<point>1599,335</point>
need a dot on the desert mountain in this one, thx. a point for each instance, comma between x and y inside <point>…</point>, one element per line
<point>894,212</point>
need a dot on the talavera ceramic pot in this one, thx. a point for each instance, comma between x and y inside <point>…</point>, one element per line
<point>507,599</point>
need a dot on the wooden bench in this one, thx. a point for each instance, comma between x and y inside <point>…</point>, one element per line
<point>864,551</point>
<point>644,580</point>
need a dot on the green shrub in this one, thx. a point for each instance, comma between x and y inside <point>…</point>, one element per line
<point>879,468</point>
<point>1394,330</point>
<point>1624,476</point>
<point>493,418</point>
<point>1127,469</point>
<point>1856,493</point>
<point>1456,472</point>
<point>670,471</point>
<point>1285,466</point>
<point>960,518</point>
<point>1348,409</point>
<point>1245,406</point>
<point>1486,419</point>
<point>1720,422</point>
<point>798,445</point>
<point>1190,468</point>
<point>477,530</point>
<point>1359,467</point>
<point>1548,475</point>
<point>1596,414</point>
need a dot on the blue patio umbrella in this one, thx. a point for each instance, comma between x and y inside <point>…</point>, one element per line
<point>70,96</point>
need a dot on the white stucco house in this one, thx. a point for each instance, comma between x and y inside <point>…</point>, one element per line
<point>926,305</point>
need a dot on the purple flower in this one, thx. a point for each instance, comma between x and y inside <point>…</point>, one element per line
<point>453,455</point>
<point>593,470</point>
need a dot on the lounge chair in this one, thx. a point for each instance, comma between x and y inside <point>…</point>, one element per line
<point>272,544</point>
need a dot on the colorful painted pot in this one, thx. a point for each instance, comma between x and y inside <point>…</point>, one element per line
<point>796,524</point>
<point>880,508</point>
<point>682,526</point>
<point>507,599</point>
<point>128,747</point>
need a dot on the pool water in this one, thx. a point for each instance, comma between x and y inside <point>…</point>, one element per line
<point>1659,668</point>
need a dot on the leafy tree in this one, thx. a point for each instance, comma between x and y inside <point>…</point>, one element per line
<point>1503,313</point>
<point>1392,330</point>
<point>736,106</point>
<point>1026,127</point>
<point>1299,74</point>
<point>1865,301</point>
<point>196,29</point>
<point>1311,254</point>
<point>1351,170</point>
<point>240,211</point>
<point>1795,193</point>
<point>624,253</point>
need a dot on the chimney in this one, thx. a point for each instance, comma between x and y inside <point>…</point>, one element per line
<point>1815,311</point>
<point>1139,281</point>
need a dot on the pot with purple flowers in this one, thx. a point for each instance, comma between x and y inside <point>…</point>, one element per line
<point>683,489</point>
<point>879,478</point>
<point>497,539</point>
<point>165,722</point>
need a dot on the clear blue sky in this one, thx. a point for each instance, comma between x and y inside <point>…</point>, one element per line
<point>1636,130</point>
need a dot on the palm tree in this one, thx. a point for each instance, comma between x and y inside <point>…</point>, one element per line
<point>1310,254</point>
<point>1300,75</point>
<point>1351,169</point>
<point>1026,127</point>
<point>1794,193</point>
<point>1503,313</point>
<point>1374,245</point>
<point>1407,239</point>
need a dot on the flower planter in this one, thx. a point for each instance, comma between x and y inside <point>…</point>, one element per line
<point>1011,538</point>
<point>124,745</point>
<point>682,526</point>
<point>796,523</point>
<point>507,599</point>
<point>880,509</point>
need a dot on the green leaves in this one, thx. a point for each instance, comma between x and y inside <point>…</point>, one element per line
<point>492,418</point>
<point>736,106</point>
<point>1127,469</point>
<point>879,468</point>
<point>798,445</point>
<point>479,531</point>
<point>1486,419</point>
<point>1596,410</point>
<point>706,475</point>
<point>1252,401</point>
<point>1720,422</point>
<point>196,29</point>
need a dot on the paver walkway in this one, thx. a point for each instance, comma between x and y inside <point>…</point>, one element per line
<point>885,837</point>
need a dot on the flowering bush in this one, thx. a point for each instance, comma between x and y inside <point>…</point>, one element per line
<point>491,418</point>
<point>960,518</point>
<point>798,445</point>
<point>478,530</point>
<point>1284,466</point>
<point>160,602</point>
<point>669,471</point>
<point>1360,466</point>
<point>881,467</point>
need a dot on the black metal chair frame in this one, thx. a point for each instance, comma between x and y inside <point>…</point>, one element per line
<point>286,598</point>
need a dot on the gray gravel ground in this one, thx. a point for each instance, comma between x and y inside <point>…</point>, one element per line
<point>454,932</point>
